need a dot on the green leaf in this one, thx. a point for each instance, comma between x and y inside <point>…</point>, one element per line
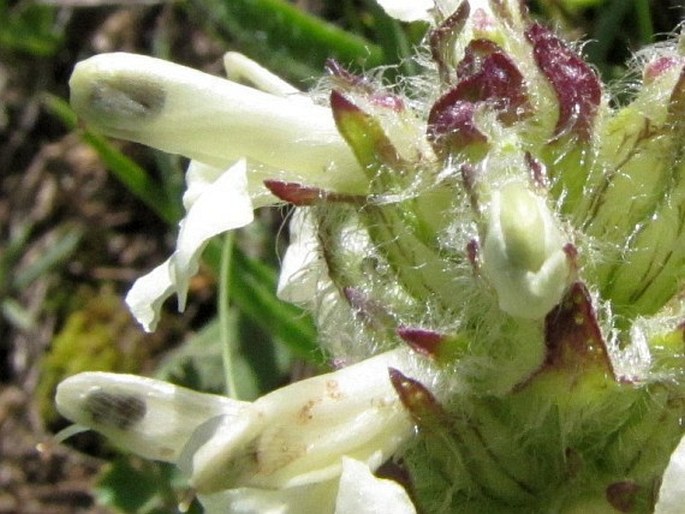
<point>130,485</point>
<point>258,366</point>
<point>58,252</point>
<point>285,39</point>
<point>30,28</point>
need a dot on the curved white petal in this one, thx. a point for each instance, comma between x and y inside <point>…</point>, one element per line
<point>148,293</point>
<point>215,203</point>
<point>151,418</point>
<point>315,498</point>
<point>358,492</point>
<point>408,10</point>
<point>302,268</point>
<point>218,207</point>
<point>239,67</point>
<point>361,492</point>
<point>672,493</point>
<point>212,120</point>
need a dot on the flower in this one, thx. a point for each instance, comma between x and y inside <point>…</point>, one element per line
<point>316,440</point>
<point>498,215</point>
<point>235,135</point>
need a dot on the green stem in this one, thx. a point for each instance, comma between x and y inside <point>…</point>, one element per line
<point>644,21</point>
<point>224,314</point>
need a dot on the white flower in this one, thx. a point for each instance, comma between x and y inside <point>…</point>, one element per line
<point>362,493</point>
<point>260,453</point>
<point>427,10</point>
<point>235,135</point>
<point>296,434</point>
<point>408,10</point>
<point>210,119</point>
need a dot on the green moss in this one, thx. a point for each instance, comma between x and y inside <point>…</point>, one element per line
<point>99,335</point>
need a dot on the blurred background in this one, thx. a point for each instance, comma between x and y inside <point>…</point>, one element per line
<point>82,217</point>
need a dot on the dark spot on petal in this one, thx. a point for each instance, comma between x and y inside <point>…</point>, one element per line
<point>120,411</point>
<point>124,99</point>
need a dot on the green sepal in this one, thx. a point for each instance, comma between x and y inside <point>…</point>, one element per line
<point>646,273</point>
<point>419,266</point>
<point>371,146</point>
<point>569,162</point>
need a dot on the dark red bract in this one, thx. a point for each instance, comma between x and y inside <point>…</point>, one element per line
<point>575,83</point>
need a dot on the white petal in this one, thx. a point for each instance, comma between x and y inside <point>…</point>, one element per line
<point>220,451</point>
<point>408,10</point>
<point>212,120</point>
<point>354,411</point>
<point>224,205</point>
<point>239,67</point>
<point>315,498</point>
<point>362,493</point>
<point>200,177</point>
<point>216,202</point>
<point>672,493</point>
<point>296,435</point>
<point>302,268</point>
<point>148,293</point>
<point>151,418</point>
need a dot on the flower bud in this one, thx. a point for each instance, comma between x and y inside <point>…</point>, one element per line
<point>523,252</point>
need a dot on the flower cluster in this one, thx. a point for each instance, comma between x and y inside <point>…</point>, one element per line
<point>500,250</point>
